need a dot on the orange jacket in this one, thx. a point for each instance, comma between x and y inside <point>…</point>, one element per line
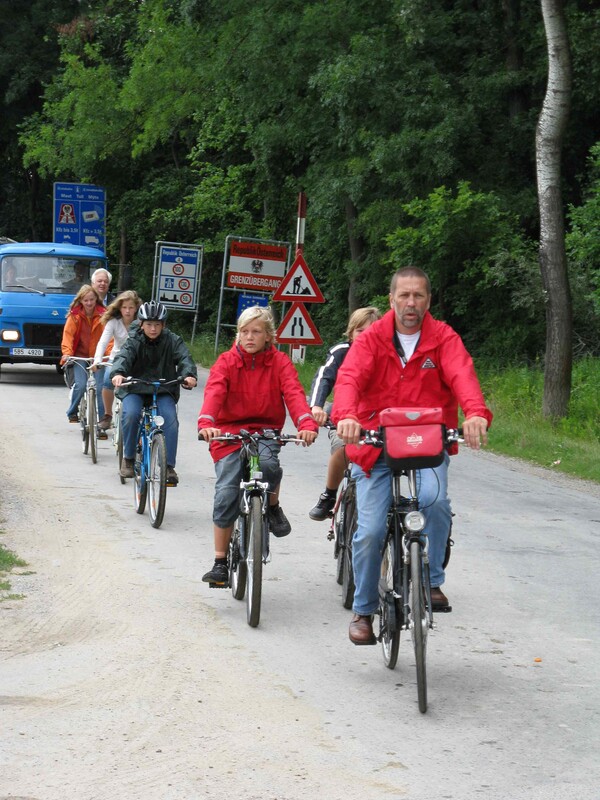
<point>72,333</point>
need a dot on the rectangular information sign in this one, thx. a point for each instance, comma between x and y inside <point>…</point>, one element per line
<point>80,214</point>
<point>177,273</point>
<point>256,266</point>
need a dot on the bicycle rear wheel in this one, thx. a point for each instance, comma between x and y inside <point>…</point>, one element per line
<point>389,606</point>
<point>119,446</point>
<point>92,417</point>
<point>254,543</point>
<point>338,541</point>
<point>140,487</point>
<point>237,566</point>
<point>350,523</point>
<point>83,424</point>
<point>157,479</point>
<point>420,621</point>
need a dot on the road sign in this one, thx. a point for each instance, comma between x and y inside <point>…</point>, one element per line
<point>177,272</point>
<point>80,214</point>
<point>299,285</point>
<point>248,300</point>
<point>298,328</point>
<point>256,266</point>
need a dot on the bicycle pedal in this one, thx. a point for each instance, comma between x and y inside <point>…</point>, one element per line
<point>172,483</point>
<point>213,585</point>
<point>441,609</point>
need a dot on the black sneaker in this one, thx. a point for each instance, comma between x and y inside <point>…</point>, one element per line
<point>278,522</point>
<point>126,470</point>
<point>172,477</point>
<point>324,507</point>
<point>219,575</point>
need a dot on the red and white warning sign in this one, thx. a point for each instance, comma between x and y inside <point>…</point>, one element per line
<point>298,328</point>
<point>299,285</point>
<point>258,266</point>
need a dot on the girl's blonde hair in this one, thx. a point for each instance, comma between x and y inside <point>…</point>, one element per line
<point>360,318</point>
<point>260,313</point>
<point>113,311</point>
<point>85,289</point>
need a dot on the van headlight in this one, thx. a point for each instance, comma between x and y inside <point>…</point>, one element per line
<point>9,335</point>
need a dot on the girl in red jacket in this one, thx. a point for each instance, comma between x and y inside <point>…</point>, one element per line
<point>249,387</point>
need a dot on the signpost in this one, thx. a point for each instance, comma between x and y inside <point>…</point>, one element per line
<point>80,214</point>
<point>177,276</point>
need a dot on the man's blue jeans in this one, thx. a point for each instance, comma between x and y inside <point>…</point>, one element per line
<point>131,410</point>
<point>374,496</point>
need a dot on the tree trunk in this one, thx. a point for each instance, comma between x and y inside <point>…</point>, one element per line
<point>357,251</point>
<point>552,256</point>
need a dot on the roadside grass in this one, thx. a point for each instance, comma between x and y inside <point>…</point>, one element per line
<point>8,561</point>
<point>570,445</point>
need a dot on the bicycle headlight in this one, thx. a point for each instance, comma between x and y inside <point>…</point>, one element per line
<point>414,521</point>
<point>159,421</point>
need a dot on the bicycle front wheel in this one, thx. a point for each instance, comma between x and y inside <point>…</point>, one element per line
<point>419,621</point>
<point>237,566</point>
<point>254,542</point>
<point>389,607</point>
<point>140,487</point>
<point>118,442</point>
<point>157,480</point>
<point>92,424</point>
<point>83,424</point>
<point>350,523</point>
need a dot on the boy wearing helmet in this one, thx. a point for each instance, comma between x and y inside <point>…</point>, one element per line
<point>151,352</point>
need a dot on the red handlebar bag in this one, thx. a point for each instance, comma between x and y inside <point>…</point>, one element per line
<point>413,438</point>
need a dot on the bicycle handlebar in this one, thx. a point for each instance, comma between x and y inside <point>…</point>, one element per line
<point>375,436</point>
<point>130,381</point>
<point>267,434</point>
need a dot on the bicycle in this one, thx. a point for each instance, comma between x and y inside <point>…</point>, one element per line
<point>117,436</point>
<point>87,411</point>
<point>150,462</point>
<point>249,544</point>
<point>404,590</point>
<point>343,524</point>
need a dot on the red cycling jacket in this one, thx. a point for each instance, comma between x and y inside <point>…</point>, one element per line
<point>252,392</point>
<point>439,374</point>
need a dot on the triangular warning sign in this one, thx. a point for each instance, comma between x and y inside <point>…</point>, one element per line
<point>299,285</point>
<point>298,328</point>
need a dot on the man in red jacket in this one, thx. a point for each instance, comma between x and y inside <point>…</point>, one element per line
<point>405,359</point>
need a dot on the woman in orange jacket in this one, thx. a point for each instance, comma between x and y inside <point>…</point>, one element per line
<point>81,335</point>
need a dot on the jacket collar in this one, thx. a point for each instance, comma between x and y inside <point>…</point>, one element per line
<point>244,359</point>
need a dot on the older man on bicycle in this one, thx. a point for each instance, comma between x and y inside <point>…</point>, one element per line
<point>405,359</point>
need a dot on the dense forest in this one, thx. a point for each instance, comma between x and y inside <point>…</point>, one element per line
<point>410,125</point>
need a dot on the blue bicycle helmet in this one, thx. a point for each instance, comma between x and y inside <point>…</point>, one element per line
<point>152,311</point>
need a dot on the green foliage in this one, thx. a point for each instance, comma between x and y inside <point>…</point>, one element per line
<point>483,271</point>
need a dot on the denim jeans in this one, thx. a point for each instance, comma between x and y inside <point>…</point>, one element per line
<point>229,475</point>
<point>131,410</point>
<point>78,387</point>
<point>374,495</point>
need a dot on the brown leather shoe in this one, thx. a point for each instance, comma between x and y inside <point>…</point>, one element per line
<point>438,598</point>
<point>361,630</point>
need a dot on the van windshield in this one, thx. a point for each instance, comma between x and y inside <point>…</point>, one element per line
<point>46,274</point>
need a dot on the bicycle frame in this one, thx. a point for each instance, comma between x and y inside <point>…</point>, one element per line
<point>252,486</point>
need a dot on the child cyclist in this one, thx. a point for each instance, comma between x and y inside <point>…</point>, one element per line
<point>151,352</point>
<point>320,390</point>
<point>249,387</point>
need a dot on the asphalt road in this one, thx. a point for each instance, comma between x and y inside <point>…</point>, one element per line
<point>512,672</point>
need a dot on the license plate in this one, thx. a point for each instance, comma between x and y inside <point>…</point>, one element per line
<point>26,351</point>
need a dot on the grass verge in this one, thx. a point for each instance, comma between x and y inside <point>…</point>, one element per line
<point>8,561</point>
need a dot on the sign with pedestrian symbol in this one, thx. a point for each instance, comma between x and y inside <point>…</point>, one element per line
<point>177,271</point>
<point>298,328</point>
<point>299,285</point>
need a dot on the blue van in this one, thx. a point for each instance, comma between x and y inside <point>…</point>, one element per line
<point>38,281</point>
